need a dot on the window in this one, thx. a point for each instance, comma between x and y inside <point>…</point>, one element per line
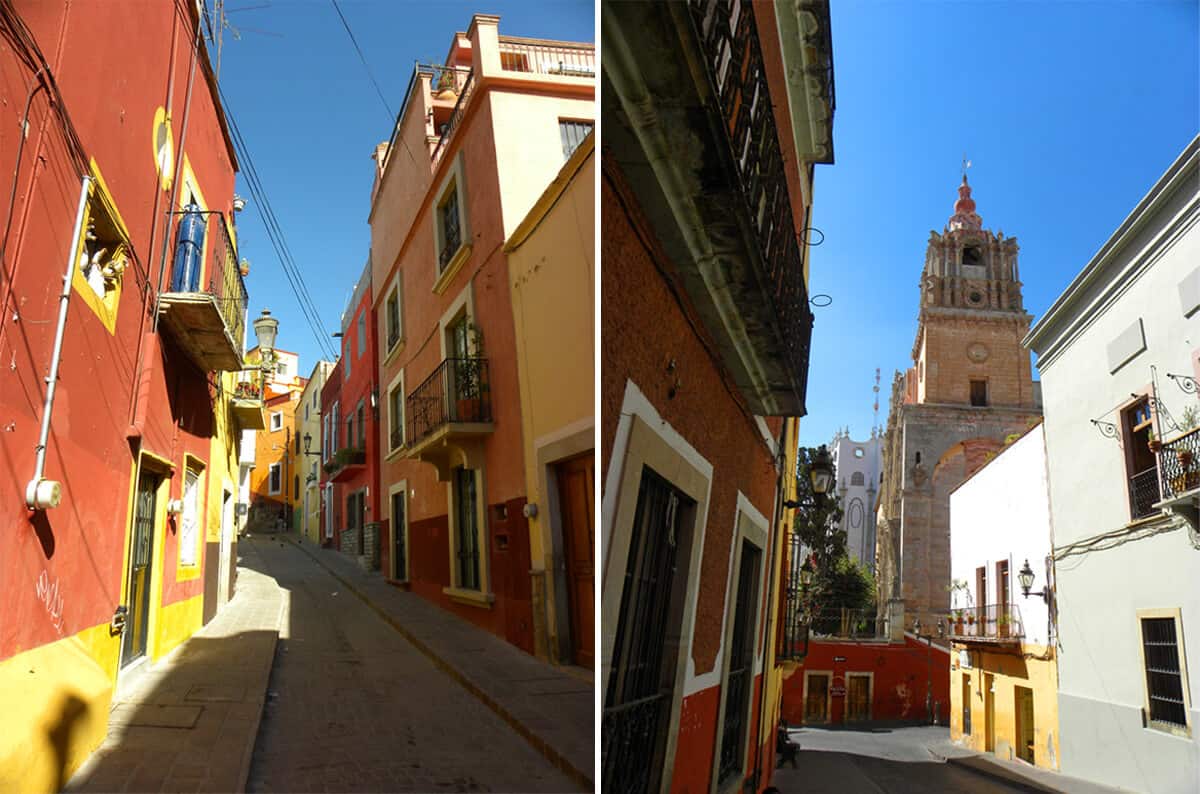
<point>275,479</point>
<point>466,526</point>
<point>572,134</point>
<point>276,420</point>
<point>966,704</point>
<point>297,443</point>
<point>325,437</point>
<point>857,478</point>
<point>296,486</point>
<point>858,452</point>
<point>396,416</point>
<point>448,224</point>
<point>392,315</point>
<point>305,415</point>
<point>346,355</point>
<point>190,520</point>
<point>103,254</point>
<point>979,393</point>
<point>981,590</point>
<point>362,426</point>
<point>740,679</point>
<point>333,429</point>
<point>362,333</point>
<point>1141,464</point>
<point>971,256</point>
<point>1162,657</point>
<point>399,527</point>
<point>350,430</point>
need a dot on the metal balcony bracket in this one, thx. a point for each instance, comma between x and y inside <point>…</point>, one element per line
<point>1186,509</point>
<point>447,452</point>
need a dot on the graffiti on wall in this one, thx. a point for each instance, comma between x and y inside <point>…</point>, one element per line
<point>51,598</point>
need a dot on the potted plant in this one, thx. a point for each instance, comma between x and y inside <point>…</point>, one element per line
<point>470,379</point>
<point>1002,624</point>
<point>1153,441</point>
<point>958,621</point>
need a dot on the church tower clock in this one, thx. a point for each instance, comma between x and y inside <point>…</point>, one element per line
<point>970,387</point>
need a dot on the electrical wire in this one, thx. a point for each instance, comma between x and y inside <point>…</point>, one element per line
<point>363,58</point>
<point>275,234</point>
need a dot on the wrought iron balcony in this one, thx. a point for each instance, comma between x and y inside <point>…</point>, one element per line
<point>702,151</point>
<point>204,308</point>
<point>446,131</point>
<point>1143,493</point>
<point>345,463</point>
<point>993,623</point>
<point>247,405</point>
<point>1179,464</point>
<point>452,408</point>
<point>850,624</point>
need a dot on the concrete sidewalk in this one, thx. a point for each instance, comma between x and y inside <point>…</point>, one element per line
<point>189,721</point>
<point>553,708</point>
<point>1017,772</point>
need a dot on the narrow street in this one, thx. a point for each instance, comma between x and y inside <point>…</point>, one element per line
<point>352,706</point>
<point>891,760</point>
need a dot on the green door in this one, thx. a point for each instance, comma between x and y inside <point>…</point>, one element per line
<point>137,623</point>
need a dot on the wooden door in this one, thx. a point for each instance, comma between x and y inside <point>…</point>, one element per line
<point>816,698</point>
<point>989,713</point>
<point>1025,722</point>
<point>858,697</point>
<point>575,480</point>
<point>141,553</point>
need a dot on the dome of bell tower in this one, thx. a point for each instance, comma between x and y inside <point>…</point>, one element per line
<point>964,216</point>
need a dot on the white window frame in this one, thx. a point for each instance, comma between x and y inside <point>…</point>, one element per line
<point>190,518</point>
<point>276,421</point>
<point>271,470</point>
<point>483,596</point>
<point>1175,614</point>
<point>396,384</point>
<point>336,431</point>
<point>362,333</point>
<point>749,525</point>
<point>394,291</point>
<point>455,179</point>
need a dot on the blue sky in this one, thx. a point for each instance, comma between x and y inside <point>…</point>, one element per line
<point>1069,112</point>
<point>311,119</point>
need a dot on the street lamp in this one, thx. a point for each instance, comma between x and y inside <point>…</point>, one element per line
<point>1026,578</point>
<point>308,445</point>
<point>266,328</point>
<point>820,471</point>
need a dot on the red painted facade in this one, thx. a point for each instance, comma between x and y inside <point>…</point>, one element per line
<point>127,394</point>
<point>357,396</point>
<point>902,673</point>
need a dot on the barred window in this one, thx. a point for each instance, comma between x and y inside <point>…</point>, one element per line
<point>1164,679</point>
<point>572,134</point>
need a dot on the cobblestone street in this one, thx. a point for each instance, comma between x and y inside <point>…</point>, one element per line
<point>353,706</point>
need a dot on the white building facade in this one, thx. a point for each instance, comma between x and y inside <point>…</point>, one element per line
<point>1119,354</point>
<point>858,465</point>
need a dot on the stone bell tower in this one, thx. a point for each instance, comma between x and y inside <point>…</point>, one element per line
<point>970,387</point>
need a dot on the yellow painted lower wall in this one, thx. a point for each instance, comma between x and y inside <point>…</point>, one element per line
<point>1008,675</point>
<point>56,700</point>
<point>175,623</point>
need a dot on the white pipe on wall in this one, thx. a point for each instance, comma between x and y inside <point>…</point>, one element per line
<point>40,493</point>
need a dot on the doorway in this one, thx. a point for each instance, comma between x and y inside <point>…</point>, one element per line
<point>1025,722</point>
<point>816,697</point>
<point>575,479</point>
<point>226,548</point>
<point>858,697</point>
<point>399,531</point>
<point>989,713</point>
<point>141,553</point>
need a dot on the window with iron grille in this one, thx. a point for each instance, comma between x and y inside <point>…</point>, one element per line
<point>396,416</point>
<point>572,134</point>
<point>392,315</point>
<point>362,334</point>
<point>362,427</point>
<point>275,484</point>
<point>466,528</point>
<point>741,666</point>
<point>448,223</point>
<point>1161,654</point>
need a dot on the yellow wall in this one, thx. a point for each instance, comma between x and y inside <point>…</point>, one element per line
<point>551,261</point>
<point>59,696</point>
<point>304,464</point>
<point>1009,671</point>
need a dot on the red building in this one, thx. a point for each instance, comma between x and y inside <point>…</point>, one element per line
<point>869,680</point>
<point>119,419</point>
<point>350,400</point>
<point>711,129</point>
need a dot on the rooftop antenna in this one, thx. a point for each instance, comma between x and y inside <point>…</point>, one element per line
<point>219,21</point>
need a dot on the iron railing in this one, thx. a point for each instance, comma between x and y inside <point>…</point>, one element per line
<point>247,390</point>
<point>1179,463</point>
<point>459,390</point>
<point>535,56</point>
<point>629,734</point>
<point>853,624</point>
<point>730,47</point>
<point>456,116</point>
<point>793,626</point>
<point>993,622</point>
<point>1144,493</point>
<point>203,250</point>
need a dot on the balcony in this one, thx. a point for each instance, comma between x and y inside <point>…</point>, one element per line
<point>696,139</point>
<point>247,405</point>
<point>449,415</point>
<point>539,56</point>
<point>996,624</point>
<point>1179,470</point>
<point>345,464</point>
<point>204,309</point>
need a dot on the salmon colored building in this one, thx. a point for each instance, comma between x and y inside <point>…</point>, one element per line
<point>275,479</point>
<point>117,395</point>
<point>714,116</point>
<point>478,139</point>
<point>350,462</point>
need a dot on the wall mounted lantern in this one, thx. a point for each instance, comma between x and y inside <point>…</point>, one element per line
<point>1026,578</point>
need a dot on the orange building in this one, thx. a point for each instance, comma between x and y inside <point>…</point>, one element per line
<point>275,481</point>
<point>477,141</point>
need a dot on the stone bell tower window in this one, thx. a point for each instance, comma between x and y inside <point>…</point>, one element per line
<point>972,256</point>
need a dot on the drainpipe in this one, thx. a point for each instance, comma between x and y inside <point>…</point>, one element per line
<point>41,493</point>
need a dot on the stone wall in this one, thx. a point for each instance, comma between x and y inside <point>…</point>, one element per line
<point>350,541</point>
<point>370,547</point>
